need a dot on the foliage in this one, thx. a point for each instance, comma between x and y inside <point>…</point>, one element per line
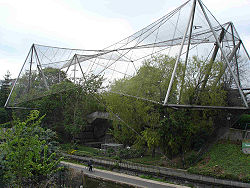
<point>5,114</point>
<point>28,153</point>
<point>180,128</point>
<point>137,114</point>
<point>225,160</point>
<point>151,80</point>
<point>176,132</point>
<point>122,153</point>
<point>148,160</point>
<point>152,138</point>
<point>243,122</point>
<point>66,104</point>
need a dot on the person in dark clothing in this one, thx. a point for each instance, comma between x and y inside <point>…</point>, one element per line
<point>90,165</point>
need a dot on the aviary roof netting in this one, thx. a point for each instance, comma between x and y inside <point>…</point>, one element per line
<point>166,61</point>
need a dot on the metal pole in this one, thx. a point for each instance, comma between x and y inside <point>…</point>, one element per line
<point>80,68</point>
<point>229,60</point>
<point>236,61</point>
<point>242,42</point>
<point>70,63</point>
<point>44,79</point>
<point>59,76</point>
<point>31,59</point>
<point>211,62</point>
<point>224,55</point>
<point>5,105</point>
<point>205,107</point>
<point>179,55</point>
<point>187,53</point>
<point>246,51</point>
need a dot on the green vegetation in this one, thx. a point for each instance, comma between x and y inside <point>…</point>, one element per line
<point>79,150</point>
<point>243,122</point>
<point>5,114</point>
<point>28,153</point>
<point>146,127</point>
<point>66,104</point>
<point>148,160</point>
<point>225,160</point>
<point>175,132</point>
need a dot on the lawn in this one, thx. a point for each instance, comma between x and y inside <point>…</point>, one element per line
<point>225,160</point>
<point>79,150</point>
<point>148,160</point>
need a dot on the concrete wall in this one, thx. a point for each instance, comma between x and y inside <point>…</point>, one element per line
<point>236,134</point>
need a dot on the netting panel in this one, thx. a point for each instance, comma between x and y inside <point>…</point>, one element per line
<point>141,65</point>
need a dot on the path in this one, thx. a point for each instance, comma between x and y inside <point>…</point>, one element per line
<point>120,177</point>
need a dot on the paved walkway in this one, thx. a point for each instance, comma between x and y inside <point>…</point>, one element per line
<point>120,177</point>
<point>176,173</point>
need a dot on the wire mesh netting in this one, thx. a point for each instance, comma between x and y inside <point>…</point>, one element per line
<point>142,65</point>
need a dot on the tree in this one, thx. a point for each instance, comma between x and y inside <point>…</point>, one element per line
<point>28,153</point>
<point>67,104</point>
<point>151,80</point>
<point>79,102</point>
<point>5,114</point>
<point>174,131</point>
<point>143,117</point>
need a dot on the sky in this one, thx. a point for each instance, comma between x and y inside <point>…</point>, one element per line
<point>92,24</point>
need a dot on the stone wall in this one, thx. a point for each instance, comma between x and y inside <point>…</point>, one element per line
<point>95,132</point>
<point>236,134</point>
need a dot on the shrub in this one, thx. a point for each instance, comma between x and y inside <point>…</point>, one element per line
<point>27,155</point>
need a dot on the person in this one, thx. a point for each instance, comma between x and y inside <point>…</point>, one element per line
<point>90,165</point>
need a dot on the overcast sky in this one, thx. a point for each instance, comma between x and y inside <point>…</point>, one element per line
<point>92,24</point>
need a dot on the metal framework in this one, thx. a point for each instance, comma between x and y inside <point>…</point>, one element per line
<point>181,34</point>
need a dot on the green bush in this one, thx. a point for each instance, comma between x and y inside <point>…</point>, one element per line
<point>190,158</point>
<point>6,125</point>
<point>28,154</point>
<point>3,115</point>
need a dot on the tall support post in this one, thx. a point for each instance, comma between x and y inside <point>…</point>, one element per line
<point>7,101</point>
<point>211,62</point>
<point>41,70</point>
<point>230,58</point>
<point>236,60</point>
<point>179,55</point>
<point>224,55</point>
<point>31,61</point>
<point>242,43</point>
<point>59,76</point>
<point>80,68</point>
<point>75,70</point>
<point>70,64</point>
<point>187,53</point>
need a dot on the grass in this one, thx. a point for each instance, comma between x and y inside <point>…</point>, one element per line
<point>148,160</point>
<point>78,150</point>
<point>225,160</point>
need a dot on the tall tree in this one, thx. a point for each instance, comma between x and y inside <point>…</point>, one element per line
<point>5,88</point>
<point>160,127</point>
<point>5,114</point>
